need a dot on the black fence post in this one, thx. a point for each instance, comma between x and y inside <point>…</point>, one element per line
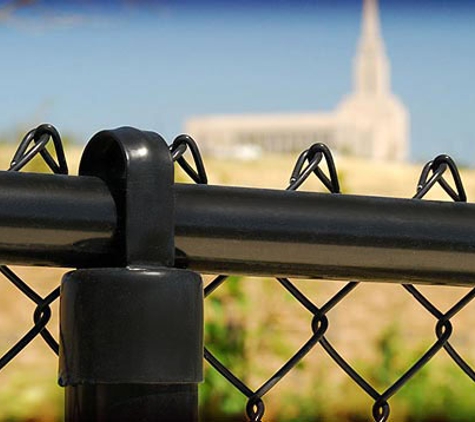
<point>131,336</point>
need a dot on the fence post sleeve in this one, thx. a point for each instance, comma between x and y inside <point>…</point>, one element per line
<point>131,337</point>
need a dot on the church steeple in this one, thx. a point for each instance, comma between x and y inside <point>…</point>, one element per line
<point>371,71</point>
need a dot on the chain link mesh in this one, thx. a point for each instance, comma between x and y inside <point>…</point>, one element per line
<point>309,162</point>
<point>35,143</point>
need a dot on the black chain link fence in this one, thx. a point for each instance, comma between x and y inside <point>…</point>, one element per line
<point>37,141</point>
<point>309,163</point>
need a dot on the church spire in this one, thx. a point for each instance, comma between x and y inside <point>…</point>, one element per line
<point>371,65</point>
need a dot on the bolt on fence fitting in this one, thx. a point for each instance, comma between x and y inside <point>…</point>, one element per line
<point>131,337</point>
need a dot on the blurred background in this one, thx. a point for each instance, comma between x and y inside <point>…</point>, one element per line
<point>86,65</point>
<point>387,85</point>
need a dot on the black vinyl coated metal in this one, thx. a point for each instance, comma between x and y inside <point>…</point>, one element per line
<point>247,231</point>
<point>56,220</point>
<point>131,344</point>
<point>138,170</point>
<point>131,337</point>
<point>432,174</point>
<point>131,331</point>
<point>132,402</point>
<point>35,143</point>
<point>154,317</point>
<point>72,221</point>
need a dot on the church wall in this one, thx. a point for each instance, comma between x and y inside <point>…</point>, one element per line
<point>370,122</point>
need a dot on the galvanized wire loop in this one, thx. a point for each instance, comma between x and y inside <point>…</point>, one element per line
<point>42,304</point>
<point>35,142</point>
<point>255,409</point>
<point>438,167</point>
<point>43,307</point>
<point>180,145</point>
<point>319,324</point>
<point>443,324</point>
<point>38,327</point>
<point>314,156</point>
<point>299,173</point>
<point>381,411</point>
<point>331,183</point>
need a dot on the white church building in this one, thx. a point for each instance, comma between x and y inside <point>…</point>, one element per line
<point>369,122</point>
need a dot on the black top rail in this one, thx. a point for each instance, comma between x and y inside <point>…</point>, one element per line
<point>68,221</point>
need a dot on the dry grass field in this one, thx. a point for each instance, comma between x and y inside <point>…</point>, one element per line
<point>379,328</point>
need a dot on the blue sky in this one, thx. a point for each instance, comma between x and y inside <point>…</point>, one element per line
<point>86,66</point>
